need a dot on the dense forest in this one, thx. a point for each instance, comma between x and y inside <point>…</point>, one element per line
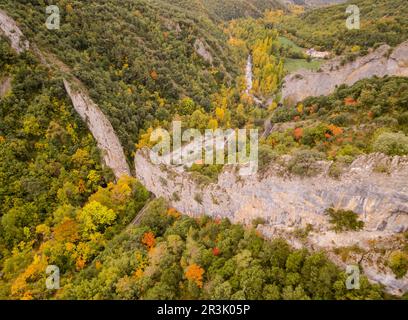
<point>170,256</point>
<point>231,9</point>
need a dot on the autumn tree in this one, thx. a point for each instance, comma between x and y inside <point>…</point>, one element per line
<point>195,273</point>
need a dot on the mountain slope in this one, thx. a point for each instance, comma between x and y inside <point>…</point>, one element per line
<point>138,58</point>
<point>233,9</point>
<point>48,157</point>
<point>382,21</point>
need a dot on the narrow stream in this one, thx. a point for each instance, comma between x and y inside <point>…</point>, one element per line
<point>249,80</point>
<point>248,75</point>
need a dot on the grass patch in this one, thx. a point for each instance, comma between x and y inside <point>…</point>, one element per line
<point>292,65</point>
<point>344,220</point>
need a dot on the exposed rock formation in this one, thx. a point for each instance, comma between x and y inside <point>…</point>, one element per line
<point>10,29</point>
<point>282,199</point>
<point>381,62</point>
<point>314,3</point>
<point>201,49</point>
<point>100,128</point>
<point>287,202</point>
<point>5,86</point>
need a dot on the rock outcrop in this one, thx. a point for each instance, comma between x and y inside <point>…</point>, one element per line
<point>202,50</point>
<point>289,202</point>
<point>100,128</point>
<point>10,29</point>
<point>381,62</point>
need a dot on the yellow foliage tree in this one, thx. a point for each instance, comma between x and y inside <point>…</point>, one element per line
<point>195,273</point>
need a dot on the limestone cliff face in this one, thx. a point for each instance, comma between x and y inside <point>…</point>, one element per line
<point>282,199</point>
<point>101,130</point>
<point>10,29</point>
<point>287,202</point>
<point>381,62</point>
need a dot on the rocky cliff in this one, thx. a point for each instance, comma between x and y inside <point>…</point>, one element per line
<point>284,199</point>
<point>97,122</point>
<point>100,128</point>
<point>13,33</point>
<point>288,203</point>
<point>380,62</point>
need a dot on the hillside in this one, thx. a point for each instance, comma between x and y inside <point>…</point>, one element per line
<point>47,153</point>
<point>139,67</point>
<point>382,21</point>
<point>313,3</point>
<point>233,9</point>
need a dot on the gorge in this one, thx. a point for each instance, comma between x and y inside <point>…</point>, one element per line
<point>284,201</point>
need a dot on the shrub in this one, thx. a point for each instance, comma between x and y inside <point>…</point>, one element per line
<point>199,198</point>
<point>258,221</point>
<point>398,262</point>
<point>349,150</point>
<point>265,156</point>
<point>392,144</point>
<point>403,119</point>
<point>344,220</point>
<point>312,135</point>
<point>386,121</point>
<point>303,162</point>
<point>210,171</point>
<point>336,170</point>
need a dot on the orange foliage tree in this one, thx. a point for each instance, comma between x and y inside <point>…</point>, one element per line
<point>149,240</point>
<point>195,273</point>
<point>335,130</point>
<point>172,212</point>
<point>349,101</point>
<point>298,133</point>
<point>154,74</point>
<point>66,231</point>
